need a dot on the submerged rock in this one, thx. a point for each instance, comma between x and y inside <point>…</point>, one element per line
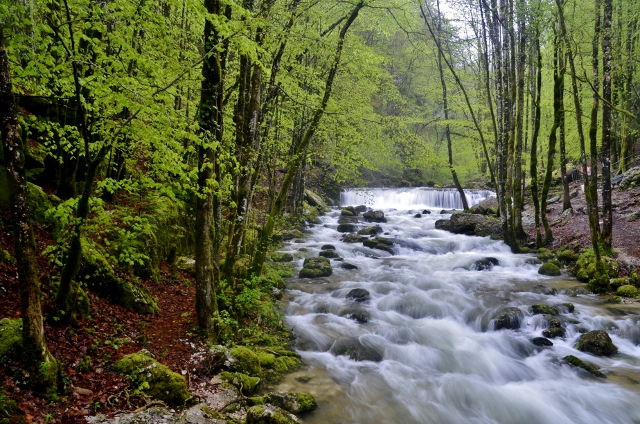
<point>541,341</point>
<point>597,343</point>
<point>542,289</point>
<point>543,309</point>
<point>485,264</point>
<point>380,243</point>
<point>374,216</point>
<point>355,313</point>
<point>509,318</point>
<point>590,368</point>
<point>359,295</point>
<point>370,231</point>
<point>315,268</point>
<point>329,254</point>
<point>351,347</point>
<point>347,265</point>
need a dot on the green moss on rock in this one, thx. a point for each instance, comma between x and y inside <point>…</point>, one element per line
<point>162,383</point>
<point>295,403</point>
<point>281,257</point>
<point>245,361</point>
<point>269,414</point>
<point>243,382</point>
<point>39,204</point>
<point>545,254</point>
<point>615,299</point>
<point>567,256</point>
<point>284,364</point>
<point>266,359</point>
<point>627,291</point>
<point>549,269</point>
<point>597,343</point>
<point>10,337</point>
<point>590,368</point>
<point>586,270</point>
<point>315,268</point>
<point>380,243</point>
<point>543,309</point>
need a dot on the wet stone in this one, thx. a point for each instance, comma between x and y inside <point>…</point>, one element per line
<point>359,295</point>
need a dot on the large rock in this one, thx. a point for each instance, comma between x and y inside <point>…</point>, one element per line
<point>315,268</point>
<point>549,269</point>
<point>554,327</point>
<point>269,414</point>
<point>590,368</point>
<point>461,223</point>
<point>597,343</point>
<point>359,295</point>
<point>295,403</point>
<point>314,200</point>
<point>351,347</point>
<point>543,309</point>
<point>245,361</point>
<point>380,243</point>
<point>353,238</point>
<point>509,318</point>
<point>491,227</point>
<point>374,216</point>
<point>488,206</point>
<point>631,178</point>
<point>163,384</point>
<point>346,228</point>
<point>370,231</point>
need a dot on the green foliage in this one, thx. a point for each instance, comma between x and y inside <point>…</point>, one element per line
<point>10,338</point>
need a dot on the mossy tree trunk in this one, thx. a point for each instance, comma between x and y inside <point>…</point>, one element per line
<point>593,222</point>
<point>518,199</point>
<point>558,92</point>
<point>210,120</point>
<point>296,160</point>
<point>607,59</point>
<point>533,169</point>
<point>35,355</point>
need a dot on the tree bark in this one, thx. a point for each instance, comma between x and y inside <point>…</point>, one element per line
<point>607,59</point>
<point>36,358</point>
<point>534,144</point>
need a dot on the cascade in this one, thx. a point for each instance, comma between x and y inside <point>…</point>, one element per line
<point>411,198</point>
<point>428,332</point>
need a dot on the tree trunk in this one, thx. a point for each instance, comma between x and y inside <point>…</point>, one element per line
<point>207,208</point>
<point>593,222</point>
<point>518,175</point>
<point>42,366</point>
<point>607,58</point>
<point>296,161</point>
<point>534,143</point>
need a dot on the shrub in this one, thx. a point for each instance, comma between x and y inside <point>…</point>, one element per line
<point>627,291</point>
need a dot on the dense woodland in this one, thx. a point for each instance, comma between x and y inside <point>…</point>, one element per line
<point>145,132</point>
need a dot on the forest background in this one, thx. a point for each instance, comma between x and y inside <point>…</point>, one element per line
<point>140,133</point>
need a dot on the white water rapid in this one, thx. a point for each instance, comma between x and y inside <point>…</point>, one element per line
<point>429,325</point>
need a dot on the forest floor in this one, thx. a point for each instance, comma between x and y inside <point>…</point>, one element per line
<point>88,349</point>
<point>574,226</point>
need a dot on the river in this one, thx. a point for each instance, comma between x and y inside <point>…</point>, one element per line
<point>429,325</point>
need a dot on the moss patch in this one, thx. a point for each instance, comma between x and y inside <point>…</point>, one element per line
<point>549,269</point>
<point>590,368</point>
<point>243,382</point>
<point>154,378</point>
<point>10,337</point>
<point>627,291</point>
<point>543,309</point>
<point>245,361</point>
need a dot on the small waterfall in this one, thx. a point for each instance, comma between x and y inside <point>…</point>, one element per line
<point>411,198</point>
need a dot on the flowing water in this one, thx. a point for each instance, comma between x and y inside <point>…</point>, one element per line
<point>430,319</point>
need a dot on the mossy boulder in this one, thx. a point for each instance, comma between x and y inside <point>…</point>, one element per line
<point>554,332</point>
<point>266,359</point>
<point>590,368</point>
<point>627,291</point>
<point>374,216</point>
<point>597,277</point>
<point>370,231</point>
<point>461,223</point>
<point>549,269</point>
<point>543,309</point>
<point>161,382</point>
<point>245,361</point>
<point>346,228</point>
<point>597,343</point>
<point>295,403</point>
<point>545,254</point>
<point>10,338</point>
<point>380,243</point>
<point>348,211</point>
<point>329,254</point>
<point>353,238</point>
<point>359,295</point>
<point>489,227</point>
<point>327,247</point>
<point>508,318</point>
<point>488,206</point>
<point>567,256</point>
<point>281,257</point>
<point>616,283</point>
<point>40,203</point>
<point>284,364</point>
<point>315,268</point>
<point>269,414</point>
<point>615,299</point>
<point>246,384</point>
